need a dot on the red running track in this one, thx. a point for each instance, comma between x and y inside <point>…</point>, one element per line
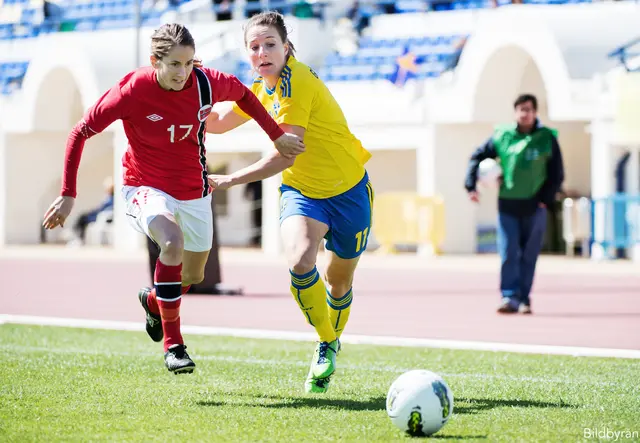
<point>586,304</point>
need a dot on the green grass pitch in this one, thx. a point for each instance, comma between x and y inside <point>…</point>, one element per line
<point>63,384</point>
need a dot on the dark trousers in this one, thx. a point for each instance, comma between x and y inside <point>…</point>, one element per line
<point>519,243</point>
<point>256,221</point>
<point>80,226</point>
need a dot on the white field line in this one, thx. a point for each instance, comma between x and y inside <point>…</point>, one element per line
<point>18,349</point>
<point>349,339</point>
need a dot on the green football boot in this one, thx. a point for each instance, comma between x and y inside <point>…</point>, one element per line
<point>324,359</point>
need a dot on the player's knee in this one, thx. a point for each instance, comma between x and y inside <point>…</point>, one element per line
<point>168,235</point>
<point>302,263</point>
<point>302,257</point>
<point>302,260</point>
<point>172,244</point>
<point>192,278</point>
<point>338,284</point>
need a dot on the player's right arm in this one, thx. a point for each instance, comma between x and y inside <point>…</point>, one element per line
<point>224,119</point>
<point>109,108</point>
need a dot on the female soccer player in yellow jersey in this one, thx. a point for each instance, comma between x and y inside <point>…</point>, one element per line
<point>325,193</point>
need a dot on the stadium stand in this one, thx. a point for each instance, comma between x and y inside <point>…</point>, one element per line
<point>29,18</point>
<point>11,75</point>
<point>375,59</point>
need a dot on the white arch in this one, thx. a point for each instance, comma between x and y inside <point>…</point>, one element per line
<point>528,38</point>
<point>71,62</point>
<point>528,34</point>
<point>508,72</point>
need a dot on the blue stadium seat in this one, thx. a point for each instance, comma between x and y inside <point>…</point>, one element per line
<point>6,32</point>
<point>377,58</point>
<point>11,76</point>
<point>86,25</point>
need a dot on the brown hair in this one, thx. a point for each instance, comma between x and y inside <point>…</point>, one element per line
<point>270,18</point>
<point>167,37</point>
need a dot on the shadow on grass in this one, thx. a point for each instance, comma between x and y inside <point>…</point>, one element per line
<point>475,405</point>
<point>275,402</point>
<point>461,405</point>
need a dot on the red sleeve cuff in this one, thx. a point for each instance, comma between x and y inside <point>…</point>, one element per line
<point>68,193</point>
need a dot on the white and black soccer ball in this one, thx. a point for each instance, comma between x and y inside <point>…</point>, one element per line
<point>419,402</point>
<point>489,173</point>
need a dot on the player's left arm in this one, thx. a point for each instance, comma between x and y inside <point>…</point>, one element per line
<point>268,166</point>
<point>555,176</point>
<point>229,88</point>
<point>224,119</point>
<point>293,116</point>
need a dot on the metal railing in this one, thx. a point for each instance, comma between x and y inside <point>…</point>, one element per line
<point>616,224</point>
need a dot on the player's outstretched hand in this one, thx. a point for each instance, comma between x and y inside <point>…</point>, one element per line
<point>289,145</point>
<point>219,182</point>
<point>58,212</point>
<point>474,196</point>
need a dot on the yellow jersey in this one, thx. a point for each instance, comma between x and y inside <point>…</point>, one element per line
<point>334,158</point>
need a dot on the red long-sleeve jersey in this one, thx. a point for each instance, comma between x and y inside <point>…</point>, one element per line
<point>166,129</point>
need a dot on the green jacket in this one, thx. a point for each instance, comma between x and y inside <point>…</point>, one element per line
<point>523,158</point>
<point>532,165</point>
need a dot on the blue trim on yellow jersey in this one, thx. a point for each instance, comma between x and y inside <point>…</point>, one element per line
<point>267,90</point>
<point>285,85</point>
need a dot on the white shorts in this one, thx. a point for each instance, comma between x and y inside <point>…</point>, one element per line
<point>195,218</point>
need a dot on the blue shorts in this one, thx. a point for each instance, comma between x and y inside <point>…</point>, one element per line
<point>348,215</point>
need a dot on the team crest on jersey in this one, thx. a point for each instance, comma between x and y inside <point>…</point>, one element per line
<point>275,109</point>
<point>204,112</point>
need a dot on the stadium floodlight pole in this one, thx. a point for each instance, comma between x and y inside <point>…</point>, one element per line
<point>138,19</point>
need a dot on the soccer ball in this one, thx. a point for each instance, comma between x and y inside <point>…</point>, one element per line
<point>419,402</point>
<point>489,172</point>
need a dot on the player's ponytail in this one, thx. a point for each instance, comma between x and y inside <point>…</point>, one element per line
<point>168,36</point>
<point>271,19</point>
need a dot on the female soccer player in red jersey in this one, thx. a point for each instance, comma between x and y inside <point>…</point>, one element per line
<point>164,109</point>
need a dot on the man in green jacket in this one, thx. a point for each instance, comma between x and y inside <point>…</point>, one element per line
<point>532,173</point>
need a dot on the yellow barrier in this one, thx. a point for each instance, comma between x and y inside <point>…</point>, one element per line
<point>405,218</point>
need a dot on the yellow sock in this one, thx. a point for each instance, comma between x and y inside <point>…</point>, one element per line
<point>310,293</point>
<point>339,309</point>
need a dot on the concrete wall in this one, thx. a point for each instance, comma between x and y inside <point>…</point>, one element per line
<point>421,135</point>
